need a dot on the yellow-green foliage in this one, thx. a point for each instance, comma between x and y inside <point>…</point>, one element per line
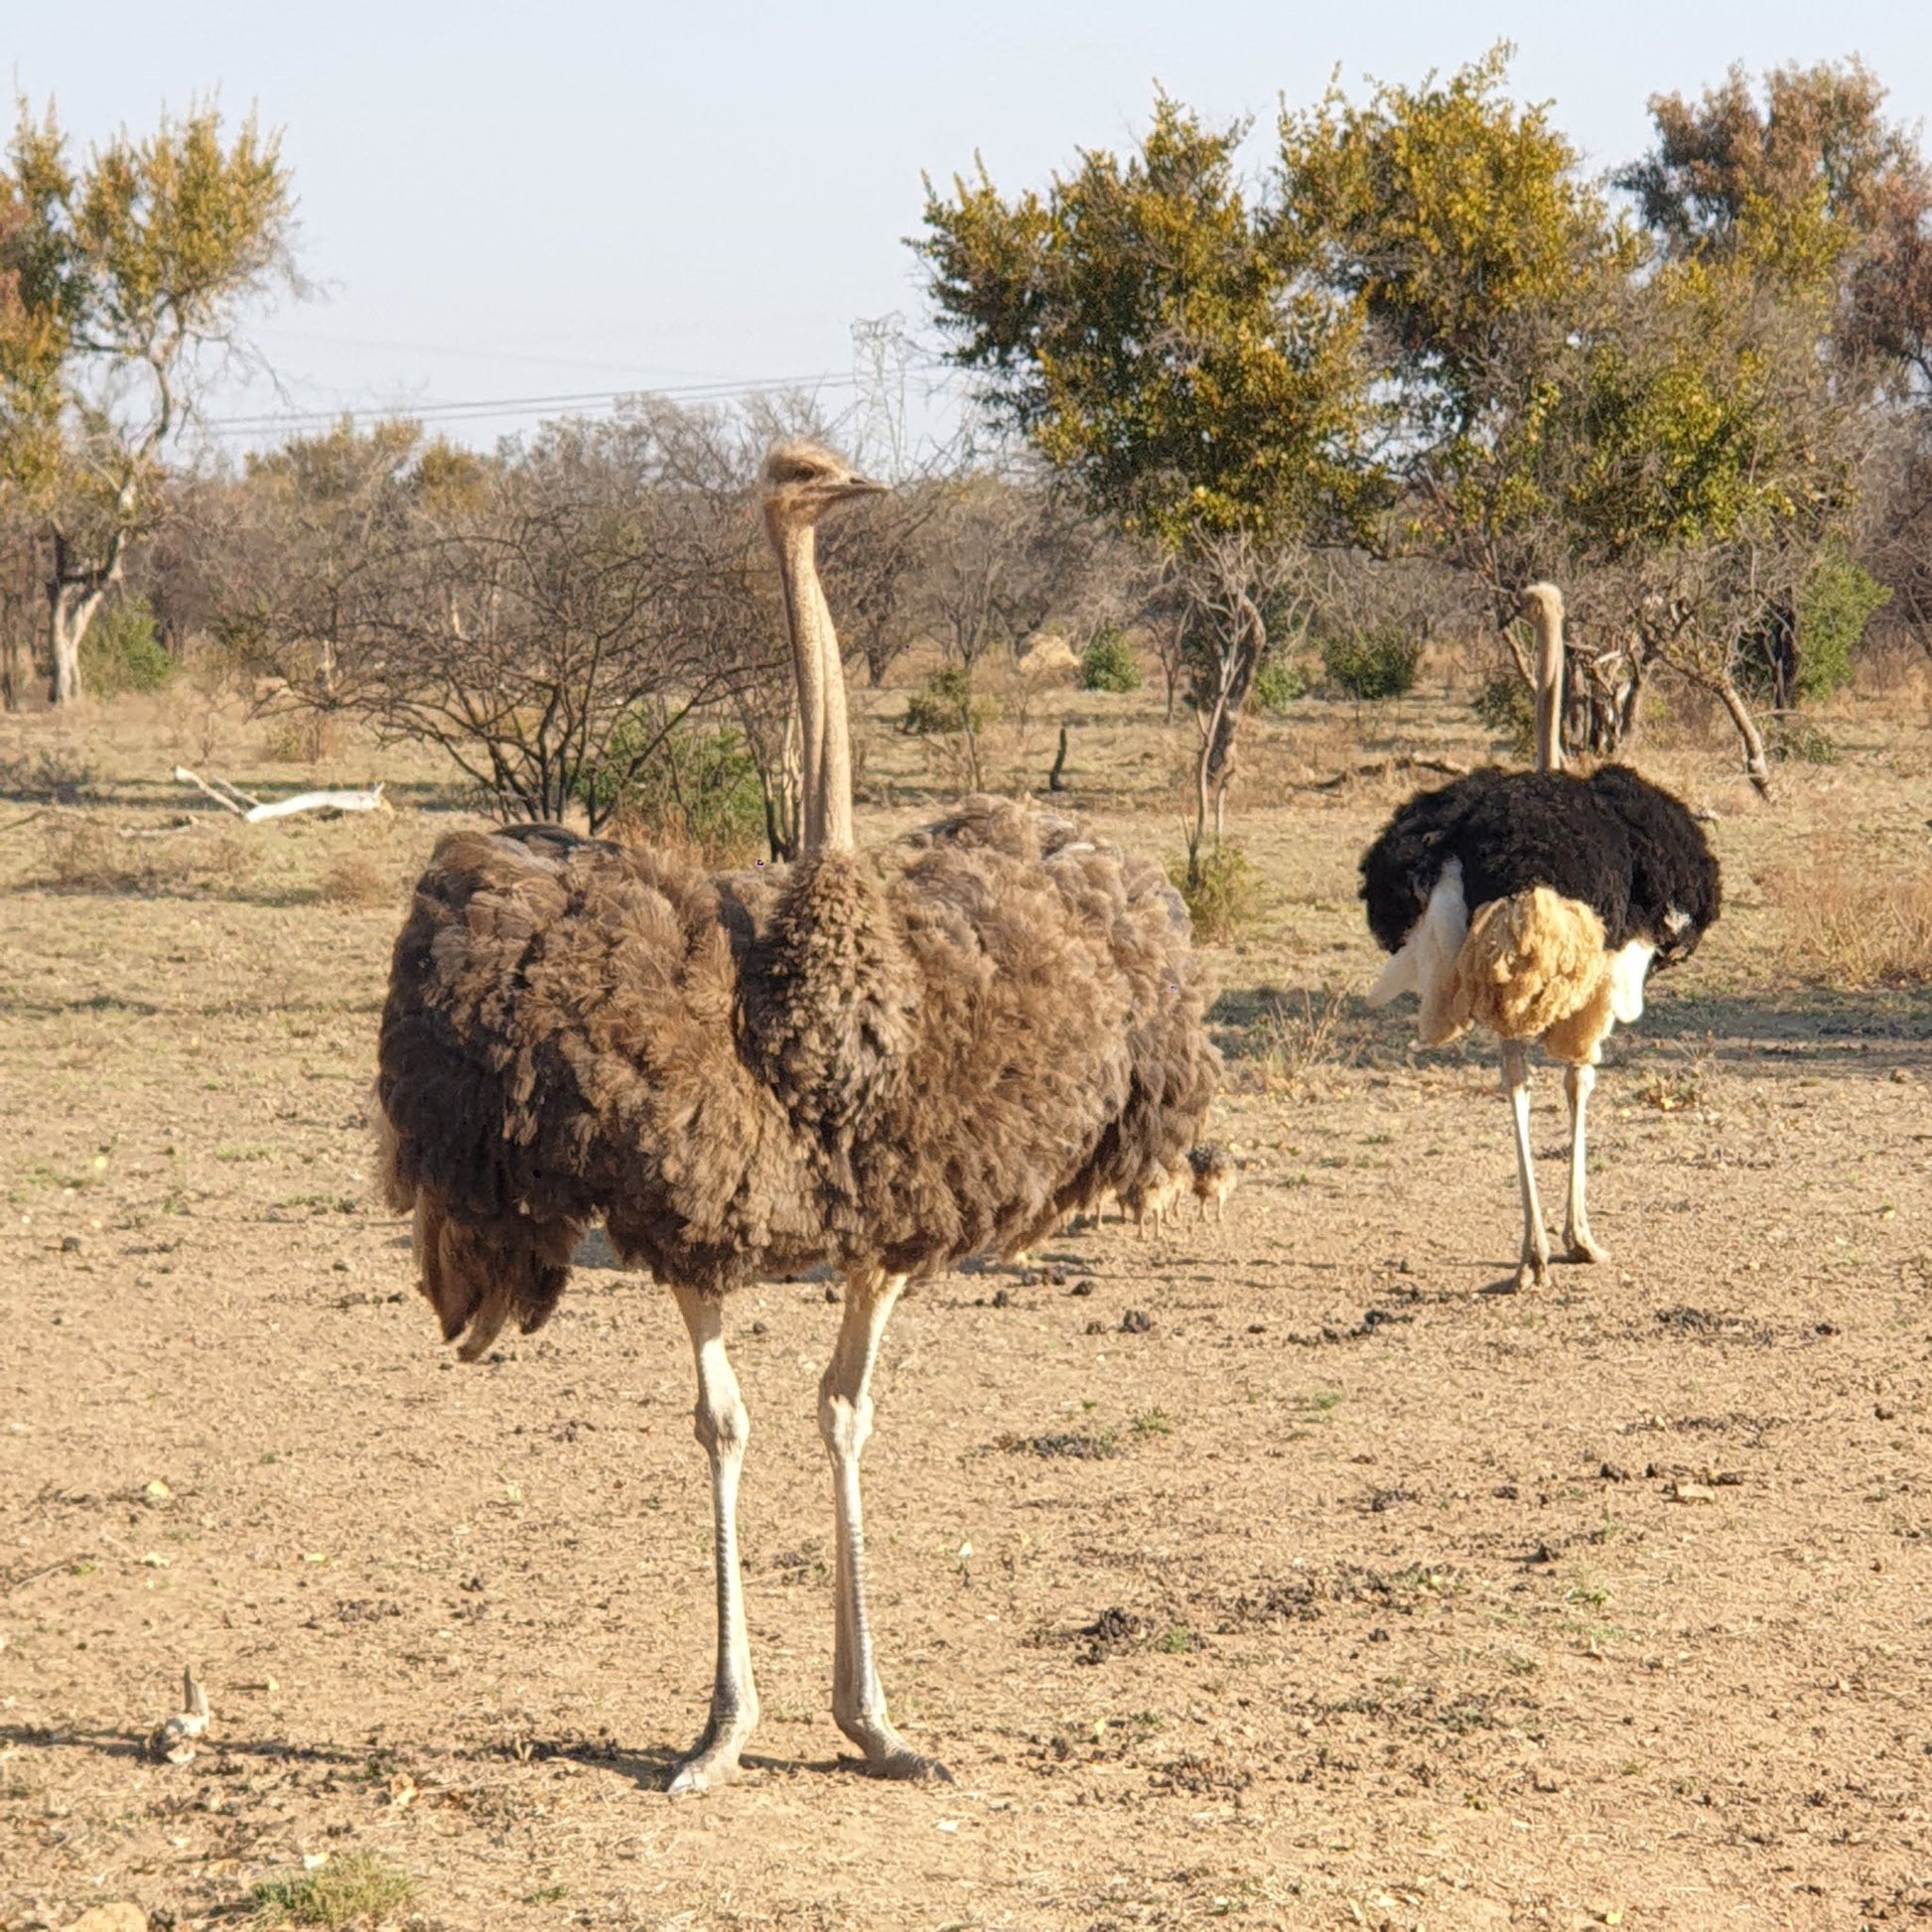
<point>121,652</point>
<point>1070,305</point>
<point>1222,889</point>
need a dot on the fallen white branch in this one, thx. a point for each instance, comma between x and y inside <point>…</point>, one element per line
<point>321,801</point>
<point>225,794</point>
<point>251,810</point>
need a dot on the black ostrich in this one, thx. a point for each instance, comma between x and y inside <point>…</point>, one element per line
<point>1536,903</point>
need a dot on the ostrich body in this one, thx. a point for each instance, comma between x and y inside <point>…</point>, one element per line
<point>1536,903</point>
<point>885,1064</point>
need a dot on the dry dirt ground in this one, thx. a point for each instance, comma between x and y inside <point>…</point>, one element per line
<point>1340,1591</point>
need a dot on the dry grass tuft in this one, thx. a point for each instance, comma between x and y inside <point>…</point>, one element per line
<point>89,854</point>
<point>354,880</point>
<point>84,856</point>
<point>1301,1033</point>
<point>1854,928</point>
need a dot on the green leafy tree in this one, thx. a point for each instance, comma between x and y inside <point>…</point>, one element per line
<point>1460,222</point>
<point>1645,417</point>
<point>1158,336</point>
<point>117,279</point>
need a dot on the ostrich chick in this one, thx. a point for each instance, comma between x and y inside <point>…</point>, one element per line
<point>1153,1199</point>
<point>1214,1176</point>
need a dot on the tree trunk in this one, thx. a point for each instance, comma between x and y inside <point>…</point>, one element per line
<point>14,670</point>
<point>1757,765</point>
<point>71,609</point>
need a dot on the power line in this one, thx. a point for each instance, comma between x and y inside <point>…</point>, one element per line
<point>481,408</point>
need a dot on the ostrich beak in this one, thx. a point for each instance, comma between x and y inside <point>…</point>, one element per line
<point>862,487</point>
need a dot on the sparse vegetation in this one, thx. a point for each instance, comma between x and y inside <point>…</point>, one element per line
<point>1372,664</point>
<point>1223,892</point>
<point>1109,663</point>
<point>354,880</point>
<point>356,1891</point>
<point>1505,707</point>
<point>1854,926</point>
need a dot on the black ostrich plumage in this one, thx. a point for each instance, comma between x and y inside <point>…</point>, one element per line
<point>1621,845</point>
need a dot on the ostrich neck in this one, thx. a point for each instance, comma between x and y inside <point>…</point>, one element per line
<point>1549,692</point>
<point>819,675</point>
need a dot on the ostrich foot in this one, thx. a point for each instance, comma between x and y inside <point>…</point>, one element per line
<point>889,1755</point>
<point>1530,1273</point>
<point>714,1760</point>
<point>1583,1246</point>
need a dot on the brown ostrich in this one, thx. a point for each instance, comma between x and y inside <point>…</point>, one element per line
<point>887,1063</point>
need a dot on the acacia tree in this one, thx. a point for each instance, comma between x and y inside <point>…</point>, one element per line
<point>1158,336</point>
<point>1654,419</point>
<point>1460,221</point>
<point>121,276</point>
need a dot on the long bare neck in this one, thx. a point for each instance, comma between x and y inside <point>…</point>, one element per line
<point>1548,689</point>
<point>819,676</point>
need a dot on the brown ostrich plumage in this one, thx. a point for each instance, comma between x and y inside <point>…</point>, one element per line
<point>887,1062</point>
<point>892,1062</point>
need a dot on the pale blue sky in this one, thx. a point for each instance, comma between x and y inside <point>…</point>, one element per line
<point>520,202</point>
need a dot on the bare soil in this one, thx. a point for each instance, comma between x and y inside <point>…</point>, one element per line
<point>1341,1591</point>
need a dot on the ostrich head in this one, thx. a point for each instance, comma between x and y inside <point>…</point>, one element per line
<point>801,481</point>
<point>1540,604</point>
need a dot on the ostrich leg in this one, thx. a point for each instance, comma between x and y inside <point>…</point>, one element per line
<point>723,1428</point>
<point>1533,1271</point>
<point>1577,1084</point>
<point>845,1422</point>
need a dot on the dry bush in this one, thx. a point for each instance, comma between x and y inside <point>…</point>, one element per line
<point>84,856</point>
<point>55,775</point>
<point>1301,1032</point>
<point>1855,928</point>
<point>302,737</point>
<point>355,880</point>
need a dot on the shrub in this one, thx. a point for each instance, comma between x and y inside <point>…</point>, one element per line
<point>1505,706</point>
<point>696,784</point>
<point>121,652</point>
<point>1110,663</point>
<point>1278,684</point>
<point>1372,664</point>
<point>1223,890</point>
<point>356,880</point>
<point>1840,598</point>
<point>1801,743</point>
<point>946,704</point>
